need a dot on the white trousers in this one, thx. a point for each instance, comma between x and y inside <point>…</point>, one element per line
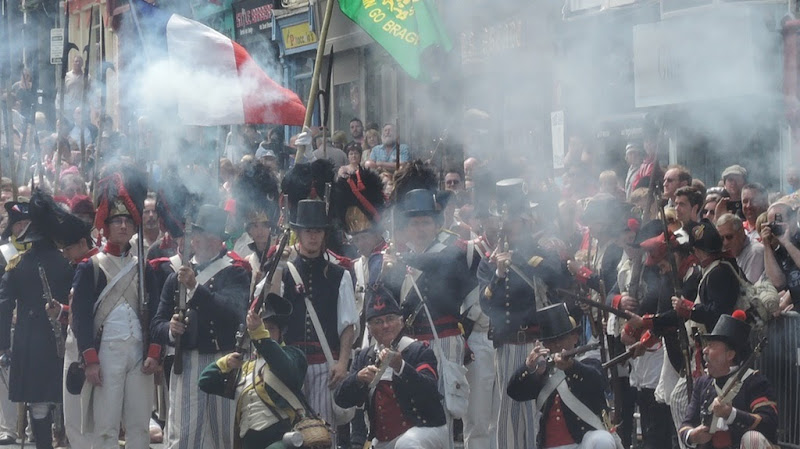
<point>595,439</point>
<point>126,397</point>
<point>8,410</point>
<point>453,350</point>
<point>418,438</point>
<point>517,422</point>
<point>72,403</point>
<point>480,425</point>
<point>197,420</point>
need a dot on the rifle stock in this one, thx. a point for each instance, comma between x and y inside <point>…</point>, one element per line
<point>180,309</point>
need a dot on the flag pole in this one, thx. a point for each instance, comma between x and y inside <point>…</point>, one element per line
<point>312,96</point>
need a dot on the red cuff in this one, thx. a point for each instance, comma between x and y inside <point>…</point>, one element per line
<point>685,309</point>
<point>154,351</point>
<point>648,339</point>
<point>90,356</point>
<point>647,321</point>
<point>583,275</point>
<point>616,301</point>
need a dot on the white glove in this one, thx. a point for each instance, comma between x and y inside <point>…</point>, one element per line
<point>304,138</point>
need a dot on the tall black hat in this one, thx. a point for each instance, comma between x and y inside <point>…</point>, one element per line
<point>420,202</point>
<point>17,211</point>
<point>603,209</point>
<point>277,308</point>
<point>255,190</point>
<point>310,215</point>
<point>734,331</point>
<point>380,302</point>
<point>512,197</point>
<point>306,181</point>
<point>359,200</point>
<point>555,322</point>
<point>212,220</point>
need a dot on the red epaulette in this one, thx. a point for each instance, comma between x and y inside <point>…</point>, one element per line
<point>239,262</point>
<point>344,262</point>
<point>89,254</point>
<point>156,263</point>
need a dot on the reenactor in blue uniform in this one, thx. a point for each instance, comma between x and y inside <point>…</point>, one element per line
<point>569,393</point>
<point>37,350</point>
<point>217,291</point>
<point>725,412</point>
<point>396,382</point>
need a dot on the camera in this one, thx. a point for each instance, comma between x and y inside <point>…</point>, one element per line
<point>777,226</point>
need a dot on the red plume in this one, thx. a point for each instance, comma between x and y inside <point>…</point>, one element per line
<point>739,315</point>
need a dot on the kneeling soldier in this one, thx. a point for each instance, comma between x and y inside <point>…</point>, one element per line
<point>268,387</point>
<point>404,406</point>
<point>570,397</point>
<point>725,411</point>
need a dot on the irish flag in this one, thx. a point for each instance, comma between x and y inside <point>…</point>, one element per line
<point>212,79</point>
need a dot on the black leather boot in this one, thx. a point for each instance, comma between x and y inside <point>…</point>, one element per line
<point>43,432</point>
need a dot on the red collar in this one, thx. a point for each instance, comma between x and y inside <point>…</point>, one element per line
<point>116,250</point>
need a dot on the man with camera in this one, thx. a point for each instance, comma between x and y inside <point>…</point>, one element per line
<point>781,254</point>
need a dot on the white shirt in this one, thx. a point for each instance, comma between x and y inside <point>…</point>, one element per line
<point>751,260</point>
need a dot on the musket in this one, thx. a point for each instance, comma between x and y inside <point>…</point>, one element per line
<point>144,297</point>
<point>6,74</point>
<point>271,269</point>
<point>232,377</point>
<point>328,187</point>
<point>596,304</point>
<point>87,49</point>
<point>624,357</point>
<point>573,352</point>
<point>683,335</point>
<point>383,365</point>
<point>727,394</point>
<point>180,308</point>
<point>54,323</point>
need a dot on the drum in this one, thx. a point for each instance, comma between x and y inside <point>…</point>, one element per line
<point>315,433</point>
<point>780,363</point>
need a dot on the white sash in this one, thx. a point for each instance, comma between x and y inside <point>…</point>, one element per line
<point>116,290</point>
<point>175,262</point>
<point>212,269</point>
<point>718,423</point>
<point>8,250</point>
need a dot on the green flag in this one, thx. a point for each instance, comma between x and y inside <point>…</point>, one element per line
<point>404,28</point>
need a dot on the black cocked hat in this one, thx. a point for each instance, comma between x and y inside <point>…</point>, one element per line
<point>734,331</point>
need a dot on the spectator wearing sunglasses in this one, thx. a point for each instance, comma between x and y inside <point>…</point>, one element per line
<point>749,254</point>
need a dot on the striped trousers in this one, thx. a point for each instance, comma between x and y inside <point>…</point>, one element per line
<point>517,422</point>
<point>678,403</point>
<point>197,420</point>
<point>316,390</point>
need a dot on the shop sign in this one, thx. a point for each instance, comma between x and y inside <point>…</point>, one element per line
<point>702,57</point>
<point>252,16</point>
<point>300,35</point>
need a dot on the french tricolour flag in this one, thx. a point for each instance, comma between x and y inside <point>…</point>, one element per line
<point>212,79</point>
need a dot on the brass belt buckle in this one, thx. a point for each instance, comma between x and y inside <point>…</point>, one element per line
<point>522,337</point>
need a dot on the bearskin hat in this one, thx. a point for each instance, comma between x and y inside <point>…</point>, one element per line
<point>415,175</point>
<point>121,190</point>
<point>306,181</point>
<point>359,200</point>
<point>255,190</point>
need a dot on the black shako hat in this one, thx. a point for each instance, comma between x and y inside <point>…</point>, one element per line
<point>733,331</point>
<point>310,215</point>
<point>380,302</point>
<point>17,211</point>
<point>512,198</point>
<point>419,203</point>
<point>554,322</point>
<point>212,220</point>
<point>704,236</point>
